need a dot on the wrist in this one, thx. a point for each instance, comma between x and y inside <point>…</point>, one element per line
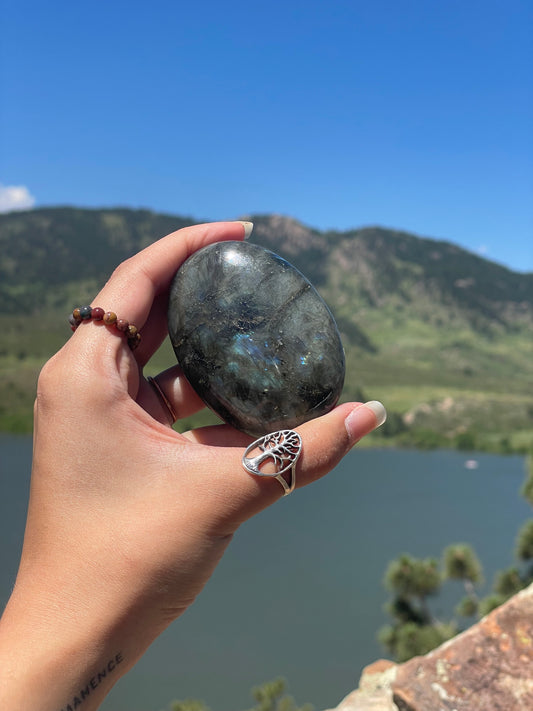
<point>55,659</point>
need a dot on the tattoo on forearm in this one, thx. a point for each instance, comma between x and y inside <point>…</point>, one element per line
<point>94,682</point>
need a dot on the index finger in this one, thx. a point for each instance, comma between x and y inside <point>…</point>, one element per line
<point>135,284</point>
<point>137,291</point>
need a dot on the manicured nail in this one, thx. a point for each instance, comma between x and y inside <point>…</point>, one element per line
<point>379,411</point>
<point>364,419</point>
<point>248,227</point>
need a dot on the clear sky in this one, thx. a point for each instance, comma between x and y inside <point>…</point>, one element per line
<point>412,114</point>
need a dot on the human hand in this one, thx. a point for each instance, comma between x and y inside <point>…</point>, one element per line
<point>127,518</point>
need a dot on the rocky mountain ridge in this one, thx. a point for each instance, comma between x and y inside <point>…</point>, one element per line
<point>441,335</point>
<point>60,245</point>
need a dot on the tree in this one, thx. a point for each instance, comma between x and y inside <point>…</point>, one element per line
<point>271,696</point>
<point>508,582</point>
<point>415,630</point>
<point>411,640</point>
<point>413,577</point>
<point>490,603</point>
<point>524,544</point>
<point>465,441</point>
<point>394,424</point>
<point>461,563</point>
<point>413,580</point>
<point>468,607</point>
<point>527,487</point>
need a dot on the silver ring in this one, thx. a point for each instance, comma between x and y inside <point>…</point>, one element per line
<point>282,448</point>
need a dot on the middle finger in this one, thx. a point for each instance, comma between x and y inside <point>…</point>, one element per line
<point>170,385</point>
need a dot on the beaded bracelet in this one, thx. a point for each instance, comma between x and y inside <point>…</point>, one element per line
<point>88,313</point>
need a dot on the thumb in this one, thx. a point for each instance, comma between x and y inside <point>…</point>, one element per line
<point>324,442</point>
<point>327,439</point>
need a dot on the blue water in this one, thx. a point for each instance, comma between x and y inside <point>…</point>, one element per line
<point>299,593</point>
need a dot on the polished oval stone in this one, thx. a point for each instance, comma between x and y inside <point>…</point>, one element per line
<point>254,338</point>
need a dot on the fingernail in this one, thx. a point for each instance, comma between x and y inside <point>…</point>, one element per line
<point>364,419</point>
<point>379,411</point>
<point>248,227</point>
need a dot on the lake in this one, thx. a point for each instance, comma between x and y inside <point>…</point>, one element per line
<point>299,593</point>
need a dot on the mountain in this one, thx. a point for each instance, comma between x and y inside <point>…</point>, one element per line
<point>443,337</point>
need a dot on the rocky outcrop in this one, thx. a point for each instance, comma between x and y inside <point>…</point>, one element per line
<point>489,667</point>
<point>374,692</point>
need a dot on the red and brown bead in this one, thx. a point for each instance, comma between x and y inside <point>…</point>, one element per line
<point>110,318</point>
<point>133,341</point>
<point>88,313</point>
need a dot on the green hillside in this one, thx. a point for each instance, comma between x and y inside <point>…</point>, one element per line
<point>440,335</point>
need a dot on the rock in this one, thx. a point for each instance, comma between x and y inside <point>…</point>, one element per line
<point>374,692</point>
<point>254,338</point>
<point>487,667</point>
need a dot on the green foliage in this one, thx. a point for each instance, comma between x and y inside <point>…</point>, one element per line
<point>424,438</point>
<point>188,705</point>
<point>466,441</point>
<point>393,426</point>
<point>505,445</point>
<point>402,609</point>
<point>524,544</point>
<point>508,582</point>
<point>468,607</point>
<point>410,640</point>
<point>527,488</point>
<point>270,696</point>
<point>411,577</point>
<point>490,603</point>
<point>438,350</point>
<point>461,563</point>
<point>415,630</point>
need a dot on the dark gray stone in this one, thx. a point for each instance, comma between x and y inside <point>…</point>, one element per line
<point>254,338</point>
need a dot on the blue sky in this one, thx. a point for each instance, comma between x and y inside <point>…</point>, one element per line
<point>416,115</point>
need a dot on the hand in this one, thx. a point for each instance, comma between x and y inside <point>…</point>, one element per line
<point>127,518</point>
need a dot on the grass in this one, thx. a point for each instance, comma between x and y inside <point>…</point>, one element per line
<point>450,393</point>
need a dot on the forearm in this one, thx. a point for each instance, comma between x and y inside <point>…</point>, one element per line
<point>66,679</point>
<point>78,621</point>
<point>55,659</point>
<point>127,518</point>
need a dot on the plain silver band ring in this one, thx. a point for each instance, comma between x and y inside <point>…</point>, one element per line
<point>162,397</point>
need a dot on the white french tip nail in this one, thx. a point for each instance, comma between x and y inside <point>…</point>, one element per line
<point>248,227</point>
<point>379,411</point>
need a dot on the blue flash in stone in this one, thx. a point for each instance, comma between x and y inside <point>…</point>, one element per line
<point>254,338</point>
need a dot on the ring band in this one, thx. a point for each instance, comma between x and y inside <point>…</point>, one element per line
<point>163,398</point>
<point>282,448</point>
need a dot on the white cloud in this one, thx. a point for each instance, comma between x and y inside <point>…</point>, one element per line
<point>15,197</point>
<point>482,250</point>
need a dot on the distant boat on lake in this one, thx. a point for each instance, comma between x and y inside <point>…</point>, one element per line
<point>471,464</point>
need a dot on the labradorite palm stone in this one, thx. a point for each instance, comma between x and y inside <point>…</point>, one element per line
<point>254,338</point>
